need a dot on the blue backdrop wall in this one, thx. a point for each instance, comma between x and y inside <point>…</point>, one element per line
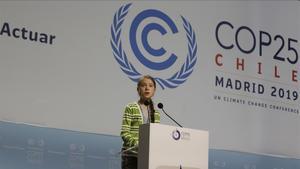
<point>29,147</point>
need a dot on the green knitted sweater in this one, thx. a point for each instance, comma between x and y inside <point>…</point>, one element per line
<point>131,121</point>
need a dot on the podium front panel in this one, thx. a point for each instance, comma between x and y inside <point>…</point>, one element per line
<point>169,147</point>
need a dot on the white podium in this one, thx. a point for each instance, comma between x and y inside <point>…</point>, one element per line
<point>170,147</point>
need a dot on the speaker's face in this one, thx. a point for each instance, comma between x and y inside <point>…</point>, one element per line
<point>146,89</point>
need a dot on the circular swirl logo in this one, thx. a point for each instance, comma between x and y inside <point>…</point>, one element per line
<point>128,68</point>
<point>176,135</point>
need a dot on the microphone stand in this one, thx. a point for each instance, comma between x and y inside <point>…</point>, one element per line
<point>161,107</point>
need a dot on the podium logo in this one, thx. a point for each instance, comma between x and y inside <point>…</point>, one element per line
<point>147,56</point>
<point>176,135</point>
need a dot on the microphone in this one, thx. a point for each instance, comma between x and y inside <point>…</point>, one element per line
<point>161,106</point>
